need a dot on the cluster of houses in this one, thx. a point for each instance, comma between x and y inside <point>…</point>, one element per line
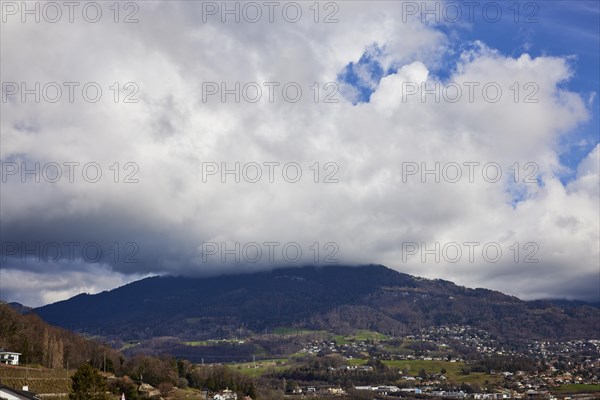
<point>228,394</point>
<point>384,389</point>
<point>314,390</point>
<point>331,346</point>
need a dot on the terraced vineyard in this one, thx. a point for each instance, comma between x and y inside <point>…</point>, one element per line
<point>48,383</point>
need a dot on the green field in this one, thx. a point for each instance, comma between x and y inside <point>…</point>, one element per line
<point>453,370</point>
<point>197,343</point>
<point>261,367</point>
<point>363,335</point>
<point>577,388</point>
<point>212,342</point>
<point>476,377</point>
<point>399,350</point>
<point>357,361</point>
<point>431,367</point>
<point>287,331</point>
<point>360,336</point>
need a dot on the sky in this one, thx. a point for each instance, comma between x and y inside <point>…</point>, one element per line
<point>440,139</point>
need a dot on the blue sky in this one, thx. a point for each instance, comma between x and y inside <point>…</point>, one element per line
<point>554,28</point>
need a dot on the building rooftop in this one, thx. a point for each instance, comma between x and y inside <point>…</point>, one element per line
<point>2,351</point>
<point>23,393</point>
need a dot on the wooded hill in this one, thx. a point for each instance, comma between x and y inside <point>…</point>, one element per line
<point>334,298</point>
<point>49,346</point>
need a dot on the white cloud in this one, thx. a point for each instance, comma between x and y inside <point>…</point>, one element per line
<point>34,288</point>
<point>369,213</point>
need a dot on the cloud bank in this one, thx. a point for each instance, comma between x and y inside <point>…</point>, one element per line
<point>449,178</point>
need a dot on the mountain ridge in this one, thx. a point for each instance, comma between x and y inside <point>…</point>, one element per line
<point>333,298</point>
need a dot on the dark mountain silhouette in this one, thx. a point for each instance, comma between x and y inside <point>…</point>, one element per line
<point>335,298</point>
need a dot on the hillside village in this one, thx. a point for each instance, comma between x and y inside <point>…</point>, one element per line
<point>446,362</point>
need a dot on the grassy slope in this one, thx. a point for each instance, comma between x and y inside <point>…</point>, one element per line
<point>577,388</point>
<point>262,366</point>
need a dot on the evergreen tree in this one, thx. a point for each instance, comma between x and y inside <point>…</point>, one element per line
<point>88,384</point>
<point>252,392</point>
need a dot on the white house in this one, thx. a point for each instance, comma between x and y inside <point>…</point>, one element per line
<point>8,357</point>
<point>14,394</point>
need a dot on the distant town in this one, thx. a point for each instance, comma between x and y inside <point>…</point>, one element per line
<point>445,362</point>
